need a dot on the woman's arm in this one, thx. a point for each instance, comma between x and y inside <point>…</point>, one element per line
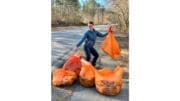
<point>100,34</point>
<point>82,40</point>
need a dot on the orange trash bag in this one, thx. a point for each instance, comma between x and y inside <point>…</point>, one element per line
<point>63,77</point>
<point>109,82</point>
<point>87,74</point>
<point>110,45</point>
<point>73,64</point>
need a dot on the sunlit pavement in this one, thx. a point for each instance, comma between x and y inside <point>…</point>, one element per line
<point>62,41</point>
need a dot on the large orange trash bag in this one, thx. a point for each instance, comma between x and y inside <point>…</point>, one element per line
<point>87,74</point>
<point>63,77</point>
<point>109,82</point>
<point>73,63</point>
<point>110,45</point>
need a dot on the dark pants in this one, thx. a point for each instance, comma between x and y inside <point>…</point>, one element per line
<point>90,50</point>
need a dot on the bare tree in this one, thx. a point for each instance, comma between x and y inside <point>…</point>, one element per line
<point>121,10</point>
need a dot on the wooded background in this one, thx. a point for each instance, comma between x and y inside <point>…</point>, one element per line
<point>74,12</point>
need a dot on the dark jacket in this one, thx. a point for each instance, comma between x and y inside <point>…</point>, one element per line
<point>90,37</point>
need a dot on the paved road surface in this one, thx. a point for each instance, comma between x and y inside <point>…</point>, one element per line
<point>62,41</point>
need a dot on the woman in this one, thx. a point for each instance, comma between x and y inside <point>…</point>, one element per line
<point>90,39</point>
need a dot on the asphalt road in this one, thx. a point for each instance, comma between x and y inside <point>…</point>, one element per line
<point>62,41</point>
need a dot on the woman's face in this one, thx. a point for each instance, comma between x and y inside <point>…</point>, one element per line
<point>91,26</point>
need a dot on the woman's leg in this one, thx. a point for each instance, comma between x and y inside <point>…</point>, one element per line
<point>95,54</point>
<point>87,52</point>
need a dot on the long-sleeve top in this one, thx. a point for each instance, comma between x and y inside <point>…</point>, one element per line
<point>90,37</point>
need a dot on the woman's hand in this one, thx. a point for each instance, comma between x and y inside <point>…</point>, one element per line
<point>75,48</point>
<point>110,29</point>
